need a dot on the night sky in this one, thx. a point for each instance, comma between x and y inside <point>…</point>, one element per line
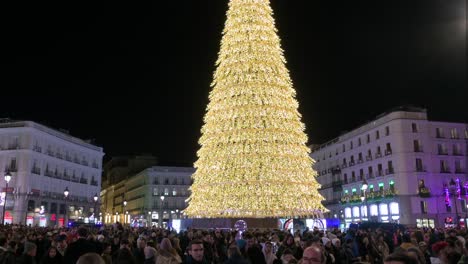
<point>136,77</point>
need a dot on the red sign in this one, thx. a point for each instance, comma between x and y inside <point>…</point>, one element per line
<point>53,217</point>
<point>9,190</point>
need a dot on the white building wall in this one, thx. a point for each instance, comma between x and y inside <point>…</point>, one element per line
<point>41,157</point>
<point>406,176</point>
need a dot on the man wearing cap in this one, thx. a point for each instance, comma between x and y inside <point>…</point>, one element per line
<point>61,244</point>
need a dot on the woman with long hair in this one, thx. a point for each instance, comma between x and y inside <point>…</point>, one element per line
<point>167,254</point>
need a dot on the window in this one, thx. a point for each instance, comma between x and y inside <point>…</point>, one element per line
<point>361,174</point>
<point>414,127</point>
<point>383,208</point>
<point>380,169</point>
<point>444,166</point>
<point>368,138</point>
<point>347,212</point>
<point>423,207</point>
<point>458,168</point>
<point>351,145</point>
<point>353,177</point>
<point>359,141</point>
<point>457,150</point>
<point>166,191</point>
<point>419,165</point>
<point>371,174</point>
<point>454,133</point>
<point>360,157</point>
<point>364,211</point>
<point>344,148</point>
<point>377,134</point>
<point>387,130</point>
<point>344,162</point>
<point>441,149</point>
<point>417,146</point>
<point>345,178</point>
<point>390,167</point>
<point>13,166</point>
<point>466,133</point>
<point>155,191</point>
<point>352,160</point>
<point>355,211</point>
<point>439,132</point>
<point>394,208</point>
<point>369,155</point>
<point>388,149</point>
<point>373,210</point>
<point>174,191</point>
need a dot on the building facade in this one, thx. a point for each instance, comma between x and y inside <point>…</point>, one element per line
<point>43,162</point>
<point>152,197</point>
<point>400,167</point>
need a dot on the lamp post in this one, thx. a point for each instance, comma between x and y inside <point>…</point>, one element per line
<point>124,209</point>
<point>7,179</point>
<point>95,203</point>
<point>455,191</point>
<point>363,197</point>
<point>66,192</point>
<point>161,215</point>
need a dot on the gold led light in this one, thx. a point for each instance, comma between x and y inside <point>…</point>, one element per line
<point>253,160</point>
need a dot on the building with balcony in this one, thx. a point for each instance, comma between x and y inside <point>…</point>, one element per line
<point>151,197</point>
<point>43,163</point>
<point>400,167</point>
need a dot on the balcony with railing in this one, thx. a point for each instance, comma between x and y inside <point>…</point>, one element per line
<point>378,155</point>
<point>83,180</point>
<point>48,173</point>
<point>424,192</point>
<point>420,169</point>
<point>388,152</point>
<point>370,175</point>
<point>94,183</point>
<point>95,165</point>
<point>418,149</point>
<point>368,158</point>
<point>442,152</point>
<point>460,170</point>
<point>36,170</point>
<point>445,170</point>
<point>380,173</point>
<point>37,149</point>
<point>50,152</point>
<point>389,171</point>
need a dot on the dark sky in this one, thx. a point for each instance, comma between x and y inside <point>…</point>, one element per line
<point>136,77</point>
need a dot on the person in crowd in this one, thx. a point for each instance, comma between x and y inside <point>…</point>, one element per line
<point>399,257</point>
<point>139,251</point>
<point>313,255</point>
<point>9,255</point>
<point>29,254</point>
<point>51,257</point>
<point>124,254</point>
<point>90,258</point>
<point>234,255</point>
<point>288,243</point>
<point>167,254</point>
<point>150,255</point>
<point>195,253</point>
<point>268,253</point>
<point>80,247</point>
<point>106,253</point>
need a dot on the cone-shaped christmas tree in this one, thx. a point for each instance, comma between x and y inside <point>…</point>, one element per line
<point>253,160</point>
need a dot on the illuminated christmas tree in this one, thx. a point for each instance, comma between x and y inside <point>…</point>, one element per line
<point>253,160</point>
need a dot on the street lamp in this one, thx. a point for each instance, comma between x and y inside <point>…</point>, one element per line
<point>66,192</point>
<point>123,212</point>
<point>161,214</point>
<point>455,191</point>
<point>364,187</point>
<point>7,179</point>
<point>95,203</point>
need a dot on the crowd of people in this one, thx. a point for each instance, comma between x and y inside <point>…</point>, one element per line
<point>118,244</point>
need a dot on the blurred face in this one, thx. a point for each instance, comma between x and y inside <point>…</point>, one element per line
<point>52,252</point>
<point>312,255</point>
<point>108,250</point>
<point>141,243</point>
<point>268,248</point>
<point>290,240</point>
<point>196,251</point>
<point>33,252</point>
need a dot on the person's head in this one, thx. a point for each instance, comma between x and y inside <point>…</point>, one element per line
<point>52,252</point>
<point>106,248</point>
<point>30,249</point>
<point>287,256</point>
<point>82,232</point>
<point>124,243</point>
<point>233,250</point>
<point>195,249</point>
<point>326,242</point>
<point>149,252</point>
<point>336,242</point>
<point>399,258</point>
<point>90,258</point>
<point>313,255</point>
<point>165,245</point>
<point>141,242</point>
<point>268,247</point>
